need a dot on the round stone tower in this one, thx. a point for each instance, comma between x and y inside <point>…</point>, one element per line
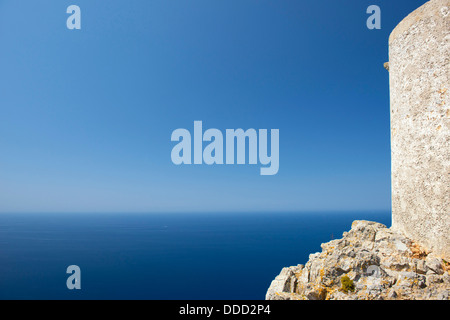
<point>419,76</point>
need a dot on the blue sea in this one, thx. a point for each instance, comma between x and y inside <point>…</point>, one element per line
<point>220,256</point>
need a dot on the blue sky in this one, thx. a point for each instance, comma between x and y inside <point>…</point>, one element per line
<point>86,115</point>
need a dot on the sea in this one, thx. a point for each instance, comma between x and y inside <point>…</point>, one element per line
<point>167,256</point>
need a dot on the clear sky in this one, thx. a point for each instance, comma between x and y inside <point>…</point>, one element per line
<point>86,115</point>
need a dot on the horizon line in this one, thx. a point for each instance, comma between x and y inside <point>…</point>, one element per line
<point>337,211</point>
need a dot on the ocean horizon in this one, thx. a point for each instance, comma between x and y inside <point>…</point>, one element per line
<point>192,256</point>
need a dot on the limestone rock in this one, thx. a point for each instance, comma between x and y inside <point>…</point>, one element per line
<point>378,260</point>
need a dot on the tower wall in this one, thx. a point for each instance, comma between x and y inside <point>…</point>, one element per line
<point>419,76</point>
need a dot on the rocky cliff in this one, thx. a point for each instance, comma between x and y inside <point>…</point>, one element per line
<point>370,262</point>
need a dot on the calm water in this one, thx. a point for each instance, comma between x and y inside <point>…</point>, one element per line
<point>165,256</point>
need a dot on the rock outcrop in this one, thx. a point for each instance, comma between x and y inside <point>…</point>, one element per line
<point>370,262</point>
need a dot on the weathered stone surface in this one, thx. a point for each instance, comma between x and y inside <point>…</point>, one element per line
<point>377,259</point>
<point>434,265</point>
<point>419,75</point>
<point>285,282</point>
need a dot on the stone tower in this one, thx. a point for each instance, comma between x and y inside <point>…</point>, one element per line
<point>419,76</point>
